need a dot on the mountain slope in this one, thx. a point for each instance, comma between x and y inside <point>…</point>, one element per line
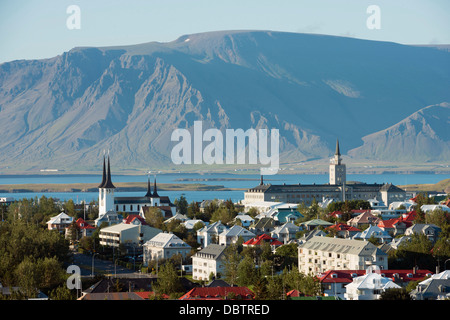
<point>64,112</point>
<point>424,136</point>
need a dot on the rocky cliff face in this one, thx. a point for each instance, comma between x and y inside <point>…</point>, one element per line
<point>64,112</point>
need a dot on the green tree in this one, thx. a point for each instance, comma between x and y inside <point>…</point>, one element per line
<point>168,281</point>
<point>182,205</point>
<point>231,263</point>
<point>395,294</point>
<point>154,217</point>
<point>246,272</point>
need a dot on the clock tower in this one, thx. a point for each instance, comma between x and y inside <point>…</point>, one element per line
<point>337,168</point>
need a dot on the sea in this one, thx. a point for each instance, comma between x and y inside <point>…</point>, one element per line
<point>227,180</point>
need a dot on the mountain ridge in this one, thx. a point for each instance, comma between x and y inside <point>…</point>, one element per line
<point>67,110</point>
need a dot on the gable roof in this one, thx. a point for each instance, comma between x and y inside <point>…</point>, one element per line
<point>347,246</point>
<point>202,293</point>
<point>257,241</point>
<point>131,217</point>
<point>166,240</point>
<point>346,276</point>
<point>212,251</point>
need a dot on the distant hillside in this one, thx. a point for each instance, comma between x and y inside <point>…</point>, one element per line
<point>64,112</point>
<point>424,136</point>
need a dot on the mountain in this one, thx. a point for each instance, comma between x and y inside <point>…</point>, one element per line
<point>423,136</point>
<point>64,112</point>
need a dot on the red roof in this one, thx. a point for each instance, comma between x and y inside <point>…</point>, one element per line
<point>83,224</point>
<point>261,239</point>
<point>345,276</point>
<point>131,217</point>
<point>343,227</point>
<point>294,293</point>
<point>202,293</point>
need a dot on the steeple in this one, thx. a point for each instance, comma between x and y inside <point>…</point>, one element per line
<point>338,152</point>
<point>155,193</point>
<point>104,174</point>
<point>108,184</point>
<point>149,189</point>
<point>262,181</point>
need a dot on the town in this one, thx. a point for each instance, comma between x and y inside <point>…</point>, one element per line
<point>337,241</point>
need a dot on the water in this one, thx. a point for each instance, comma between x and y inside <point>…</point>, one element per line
<point>242,181</point>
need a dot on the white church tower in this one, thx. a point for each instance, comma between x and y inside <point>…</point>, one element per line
<point>106,192</point>
<point>337,168</point>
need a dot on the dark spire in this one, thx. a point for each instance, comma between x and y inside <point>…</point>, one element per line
<point>262,181</point>
<point>104,174</point>
<point>338,152</point>
<point>155,193</point>
<point>108,184</point>
<point>149,189</point>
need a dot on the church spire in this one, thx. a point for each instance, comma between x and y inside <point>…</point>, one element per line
<point>149,189</point>
<point>155,193</point>
<point>338,152</point>
<point>108,184</point>
<point>262,181</point>
<point>104,174</point>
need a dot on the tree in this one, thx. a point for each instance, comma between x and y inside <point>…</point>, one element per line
<point>154,217</point>
<point>246,272</point>
<point>182,205</point>
<point>395,294</point>
<point>231,262</point>
<point>168,281</point>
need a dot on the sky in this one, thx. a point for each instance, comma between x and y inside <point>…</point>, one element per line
<point>37,29</point>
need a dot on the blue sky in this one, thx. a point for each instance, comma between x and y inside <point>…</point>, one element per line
<point>35,29</point>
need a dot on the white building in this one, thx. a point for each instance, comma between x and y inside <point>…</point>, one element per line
<point>285,232</point>
<point>207,261</point>
<point>210,234</point>
<point>320,254</point>
<point>59,222</point>
<point>368,287</point>
<point>373,231</point>
<point>125,233</point>
<point>163,246</point>
<point>233,234</point>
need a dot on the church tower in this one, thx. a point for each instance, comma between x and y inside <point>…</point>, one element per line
<point>106,191</point>
<point>337,168</point>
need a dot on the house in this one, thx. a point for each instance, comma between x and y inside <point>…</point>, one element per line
<point>431,231</point>
<point>368,287</point>
<point>59,222</point>
<point>207,261</point>
<point>163,246</point>
<point>284,215</point>
<point>134,219</point>
<point>210,233</point>
<point>244,219</point>
<point>263,238</point>
<point>232,235</point>
<point>86,229</point>
<point>393,227</point>
<point>218,293</point>
<point>110,217</point>
<point>178,216</point>
<point>189,224</point>
<point>286,232</point>
<point>363,220</point>
<point>436,287</point>
<point>373,231</point>
<point>130,234</point>
<point>428,208</point>
<point>320,254</point>
<point>312,224</point>
<point>264,225</point>
<point>334,281</point>
<point>343,230</point>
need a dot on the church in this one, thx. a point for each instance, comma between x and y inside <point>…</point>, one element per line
<point>111,206</point>
<point>337,189</point>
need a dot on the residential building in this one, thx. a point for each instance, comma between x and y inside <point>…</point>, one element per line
<point>163,246</point>
<point>343,230</point>
<point>368,287</point>
<point>320,254</point>
<point>244,219</point>
<point>264,225</point>
<point>436,287</point>
<point>59,222</point>
<point>286,232</point>
<point>130,234</point>
<point>314,223</point>
<point>375,232</point>
<point>363,220</point>
<point>263,238</point>
<point>232,235</point>
<point>431,231</point>
<point>334,281</point>
<point>210,233</point>
<point>207,261</point>
<point>86,229</point>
